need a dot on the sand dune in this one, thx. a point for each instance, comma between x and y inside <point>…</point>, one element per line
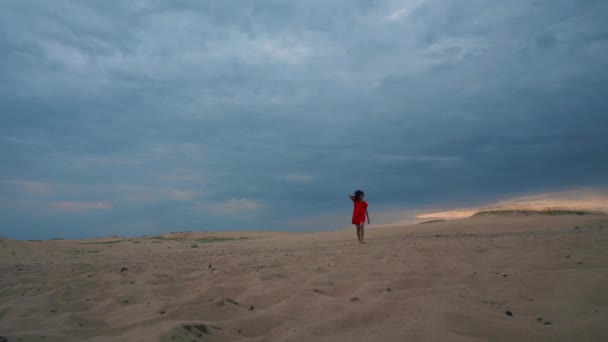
<point>441,281</point>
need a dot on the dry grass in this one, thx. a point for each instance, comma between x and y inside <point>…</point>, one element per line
<point>431,221</point>
<point>527,212</point>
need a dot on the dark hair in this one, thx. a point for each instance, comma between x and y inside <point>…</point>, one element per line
<point>358,194</point>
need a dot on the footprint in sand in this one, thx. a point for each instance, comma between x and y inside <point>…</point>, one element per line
<point>198,328</point>
<point>188,332</point>
<point>320,292</point>
<point>191,329</point>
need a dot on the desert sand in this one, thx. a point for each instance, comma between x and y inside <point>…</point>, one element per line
<point>491,278</point>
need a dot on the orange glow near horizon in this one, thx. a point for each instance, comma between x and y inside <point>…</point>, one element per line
<point>594,200</point>
<point>450,214</point>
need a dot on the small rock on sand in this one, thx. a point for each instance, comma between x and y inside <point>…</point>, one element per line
<point>123,269</point>
<point>508,313</point>
<point>547,323</point>
<point>354,299</point>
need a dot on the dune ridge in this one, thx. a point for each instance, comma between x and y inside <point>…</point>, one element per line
<point>536,211</point>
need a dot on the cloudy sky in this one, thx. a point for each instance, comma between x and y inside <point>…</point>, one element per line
<point>135,117</point>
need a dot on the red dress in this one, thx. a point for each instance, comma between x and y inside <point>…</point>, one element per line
<point>359,211</point>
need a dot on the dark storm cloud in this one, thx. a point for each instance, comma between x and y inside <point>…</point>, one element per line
<point>142,116</point>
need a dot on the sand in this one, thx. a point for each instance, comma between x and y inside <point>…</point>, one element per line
<point>441,281</point>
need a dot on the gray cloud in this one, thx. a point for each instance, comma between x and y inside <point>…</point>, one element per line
<point>206,115</point>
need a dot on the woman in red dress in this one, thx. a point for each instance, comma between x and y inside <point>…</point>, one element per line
<point>359,213</point>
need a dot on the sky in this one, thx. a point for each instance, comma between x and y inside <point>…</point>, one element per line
<point>138,117</point>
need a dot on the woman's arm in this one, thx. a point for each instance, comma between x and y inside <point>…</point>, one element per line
<point>367,214</point>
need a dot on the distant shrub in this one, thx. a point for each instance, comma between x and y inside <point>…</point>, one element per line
<point>431,221</point>
<point>527,212</point>
<point>219,239</point>
<point>100,243</point>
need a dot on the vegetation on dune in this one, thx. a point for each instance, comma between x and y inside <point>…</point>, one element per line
<point>431,221</point>
<point>164,238</point>
<point>81,251</point>
<point>157,239</point>
<point>543,211</point>
<point>219,239</point>
<point>200,240</point>
<point>101,242</point>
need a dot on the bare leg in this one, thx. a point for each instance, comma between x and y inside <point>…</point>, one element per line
<point>359,232</point>
<point>362,231</point>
